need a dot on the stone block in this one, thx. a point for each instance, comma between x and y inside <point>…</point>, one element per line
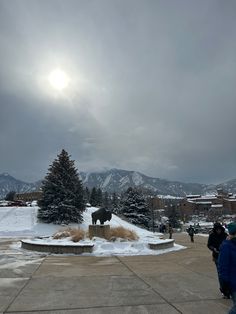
<point>101,231</point>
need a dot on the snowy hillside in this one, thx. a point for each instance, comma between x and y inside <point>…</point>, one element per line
<point>22,222</point>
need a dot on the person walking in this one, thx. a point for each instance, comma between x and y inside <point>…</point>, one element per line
<point>190,231</point>
<point>215,239</point>
<point>227,265</point>
<point>170,231</point>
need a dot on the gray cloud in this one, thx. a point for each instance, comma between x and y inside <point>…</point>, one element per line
<point>152,86</point>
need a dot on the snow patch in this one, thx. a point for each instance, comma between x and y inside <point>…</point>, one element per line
<point>137,178</point>
<point>106,182</point>
<point>123,181</point>
<point>87,177</point>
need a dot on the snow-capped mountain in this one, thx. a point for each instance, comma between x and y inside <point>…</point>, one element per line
<point>119,180</point>
<point>9,183</point>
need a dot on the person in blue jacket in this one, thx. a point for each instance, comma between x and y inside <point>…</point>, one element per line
<point>227,265</point>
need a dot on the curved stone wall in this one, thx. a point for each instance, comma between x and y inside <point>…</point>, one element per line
<point>57,249</point>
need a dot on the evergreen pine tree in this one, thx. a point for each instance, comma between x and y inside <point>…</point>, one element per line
<point>10,196</point>
<point>87,195</point>
<point>106,200</point>
<point>114,203</point>
<point>63,197</point>
<point>174,216</point>
<point>93,197</point>
<point>134,207</point>
<point>99,197</point>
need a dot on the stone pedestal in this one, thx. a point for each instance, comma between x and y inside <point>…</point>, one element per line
<point>101,231</point>
<point>163,245</point>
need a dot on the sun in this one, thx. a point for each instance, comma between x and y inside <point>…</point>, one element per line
<point>58,79</point>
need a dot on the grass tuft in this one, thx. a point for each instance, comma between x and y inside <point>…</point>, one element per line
<point>123,233</point>
<point>75,234</point>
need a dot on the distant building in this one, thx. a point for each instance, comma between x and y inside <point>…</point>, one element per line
<point>230,204</point>
<point>29,196</point>
<point>197,204</point>
<point>156,203</point>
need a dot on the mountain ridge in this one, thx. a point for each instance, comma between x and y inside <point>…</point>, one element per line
<point>118,180</point>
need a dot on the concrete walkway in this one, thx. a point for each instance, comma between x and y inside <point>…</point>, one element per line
<point>179,282</point>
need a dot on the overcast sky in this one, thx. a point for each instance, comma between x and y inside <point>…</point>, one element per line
<point>152,86</point>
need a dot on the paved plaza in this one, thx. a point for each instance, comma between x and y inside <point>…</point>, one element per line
<point>178,282</point>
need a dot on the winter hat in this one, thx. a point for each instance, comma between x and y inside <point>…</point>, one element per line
<point>232,228</point>
<point>218,225</point>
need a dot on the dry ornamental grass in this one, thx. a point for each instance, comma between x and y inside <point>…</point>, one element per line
<point>79,234</point>
<point>123,233</point>
<point>75,234</point>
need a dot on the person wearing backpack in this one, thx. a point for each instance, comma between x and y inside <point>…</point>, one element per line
<point>190,231</point>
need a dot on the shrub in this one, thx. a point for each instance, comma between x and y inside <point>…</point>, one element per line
<point>123,233</point>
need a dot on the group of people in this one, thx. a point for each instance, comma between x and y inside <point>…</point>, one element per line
<point>169,229</point>
<point>223,247</point>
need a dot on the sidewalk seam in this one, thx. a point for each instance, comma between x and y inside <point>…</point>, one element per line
<point>149,285</point>
<point>19,292</point>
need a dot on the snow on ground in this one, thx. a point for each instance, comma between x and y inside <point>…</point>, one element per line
<point>18,222</point>
<point>22,222</point>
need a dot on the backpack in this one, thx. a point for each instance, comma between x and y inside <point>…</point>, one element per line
<point>191,231</point>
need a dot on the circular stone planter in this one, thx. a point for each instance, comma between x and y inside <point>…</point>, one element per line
<point>57,248</point>
<point>163,245</point>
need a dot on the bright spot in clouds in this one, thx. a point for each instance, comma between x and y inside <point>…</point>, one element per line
<point>58,79</point>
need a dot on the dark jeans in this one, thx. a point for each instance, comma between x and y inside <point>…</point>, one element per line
<point>216,262</point>
<point>233,309</point>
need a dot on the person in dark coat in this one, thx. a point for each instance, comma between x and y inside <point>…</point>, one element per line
<point>170,231</point>
<point>216,237</point>
<point>190,231</point>
<point>227,265</point>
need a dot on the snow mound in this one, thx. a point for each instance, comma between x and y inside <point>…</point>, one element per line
<point>18,222</point>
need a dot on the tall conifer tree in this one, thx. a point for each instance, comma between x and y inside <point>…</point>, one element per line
<point>106,200</point>
<point>135,208</point>
<point>99,197</point>
<point>63,197</point>
<point>93,197</point>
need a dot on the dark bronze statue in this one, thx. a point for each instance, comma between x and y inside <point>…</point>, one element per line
<point>101,214</point>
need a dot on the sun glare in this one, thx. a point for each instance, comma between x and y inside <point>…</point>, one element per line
<point>58,79</point>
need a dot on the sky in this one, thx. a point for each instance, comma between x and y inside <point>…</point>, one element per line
<point>151,87</point>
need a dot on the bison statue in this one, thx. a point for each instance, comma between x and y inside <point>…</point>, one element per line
<point>101,214</point>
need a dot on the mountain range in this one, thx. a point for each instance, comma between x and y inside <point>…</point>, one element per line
<point>118,180</point>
